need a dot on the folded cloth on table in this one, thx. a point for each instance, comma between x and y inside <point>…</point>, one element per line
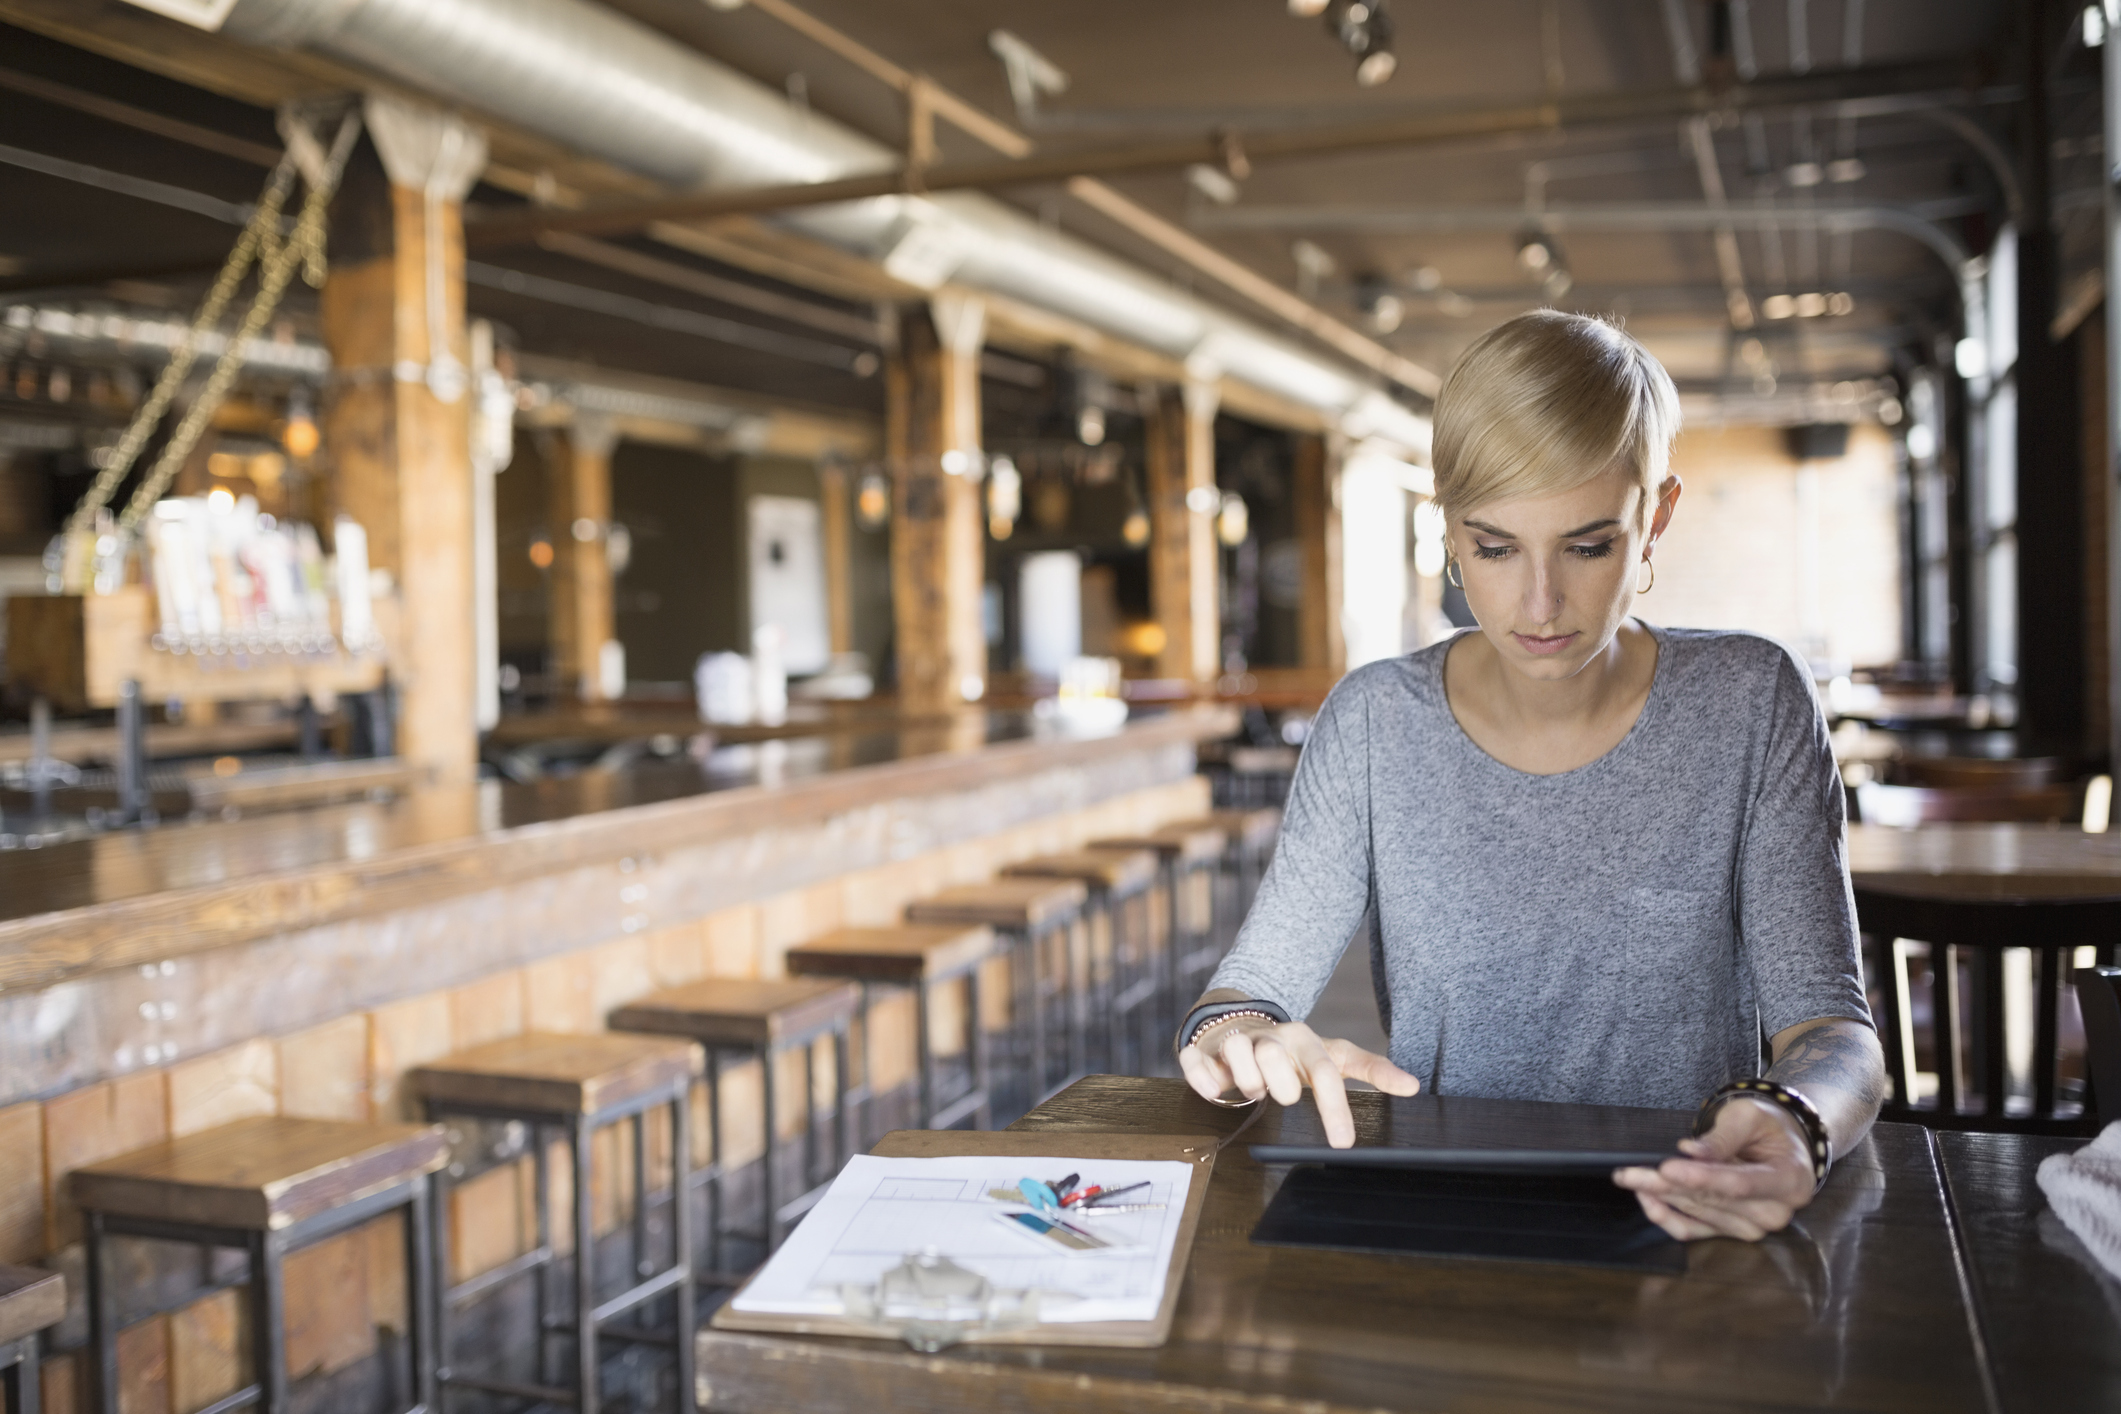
<point>2084,1188</point>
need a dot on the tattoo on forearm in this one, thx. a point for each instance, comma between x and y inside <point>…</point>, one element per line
<point>1843,1058</point>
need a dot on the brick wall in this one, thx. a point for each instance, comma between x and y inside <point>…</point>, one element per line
<point>343,1292</point>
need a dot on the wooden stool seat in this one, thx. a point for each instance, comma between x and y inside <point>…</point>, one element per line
<point>1116,871</point>
<point>743,1011</point>
<point>572,1087</point>
<point>260,1174</point>
<point>558,1075</point>
<point>922,957</point>
<point>1190,845</point>
<point>31,1298</point>
<point>269,1186</point>
<point>1025,904</point>
<point>904,955</point>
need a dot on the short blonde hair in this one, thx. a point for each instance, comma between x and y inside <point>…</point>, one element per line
<point>1546,402</point>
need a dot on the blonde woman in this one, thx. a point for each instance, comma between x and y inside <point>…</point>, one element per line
<point>1605,858</point>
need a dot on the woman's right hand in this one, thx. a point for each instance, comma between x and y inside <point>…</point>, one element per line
<point>1258,1057</point>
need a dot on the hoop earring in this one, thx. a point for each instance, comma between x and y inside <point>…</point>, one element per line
<point>1653,575</point>
<point>1449,566</point>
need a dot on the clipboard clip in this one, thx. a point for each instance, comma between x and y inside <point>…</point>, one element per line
<point>932,1303</point>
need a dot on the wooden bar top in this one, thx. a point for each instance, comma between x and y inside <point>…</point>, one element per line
<point>1859,1306</point>
<point>136,897</point>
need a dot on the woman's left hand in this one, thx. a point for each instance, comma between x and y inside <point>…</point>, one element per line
<point>1745,1178</point>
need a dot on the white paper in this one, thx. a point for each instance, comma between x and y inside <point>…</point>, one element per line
<point>880,1210</point>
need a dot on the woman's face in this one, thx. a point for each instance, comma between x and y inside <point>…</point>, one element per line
<point>1549,578</point>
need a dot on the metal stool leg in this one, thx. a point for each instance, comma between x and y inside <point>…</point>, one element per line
<point>268,1315</point>
<point>924,1054</point>
<point>23,1394</point>
<point>643,1265</point>
<point>102,1321</point>
<point>422,1292</point>
<point>716,1173</point>
<point>976,1053</point>
<point>681,1243</point>
<point>585,1284</point>
<point>840,1134</point>
<point>771,1227</point>
<point>541,1186</point>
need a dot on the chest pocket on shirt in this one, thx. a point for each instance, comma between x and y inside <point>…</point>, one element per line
<point>1678,954</point>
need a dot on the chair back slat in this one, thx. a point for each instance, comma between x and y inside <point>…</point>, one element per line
<point>2099,997</point>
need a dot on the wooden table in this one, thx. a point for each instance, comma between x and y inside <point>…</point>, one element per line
<point>1860,1309</point>
<point>1983,888</point>
<point>2049,1314</point>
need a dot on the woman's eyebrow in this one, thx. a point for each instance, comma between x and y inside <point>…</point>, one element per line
<point>1485,529</point>
<point>1586,529</point>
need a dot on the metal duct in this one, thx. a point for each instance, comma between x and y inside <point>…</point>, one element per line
<point>604,85</point>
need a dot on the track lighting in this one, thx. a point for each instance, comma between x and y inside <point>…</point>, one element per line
<point>1365,30</point>
<point>1536,252</point>
<point>1382,309</point>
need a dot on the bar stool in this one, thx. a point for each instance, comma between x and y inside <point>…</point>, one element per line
<point>269,1186</point>
<point>1039,922</point>
<point>1119,977</point>
<point>761,1019</point>
<point>1187,858</point>
<point>31,1300</point>
<point>922,959</point>
<point>575,1085</point>
<point>1249,837</point>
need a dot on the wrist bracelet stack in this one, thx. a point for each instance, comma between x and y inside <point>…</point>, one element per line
<point>1201,1017</point>
<point>1818,1144</point>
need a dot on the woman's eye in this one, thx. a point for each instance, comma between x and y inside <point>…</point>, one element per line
<point>1593,552</point>
<point>1491,552</point>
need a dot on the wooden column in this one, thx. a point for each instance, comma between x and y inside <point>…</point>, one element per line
<point>1319,637</point>
<point>932,437</point>
<point>836,523</point>
<point>397,430</point>
<point>583,616</point>
<point>1184,564</point>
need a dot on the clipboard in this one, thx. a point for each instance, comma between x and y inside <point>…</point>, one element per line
<point>1198,1150</point>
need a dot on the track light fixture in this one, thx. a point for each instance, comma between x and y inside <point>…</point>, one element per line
<point>1365,30</point>
<point>1536,252</point>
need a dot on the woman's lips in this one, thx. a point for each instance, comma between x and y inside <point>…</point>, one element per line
<point>1544,647</point>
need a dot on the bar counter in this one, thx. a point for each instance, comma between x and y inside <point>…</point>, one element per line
<point>138,948</point>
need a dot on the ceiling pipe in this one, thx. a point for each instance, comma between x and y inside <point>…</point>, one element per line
<point>606,86</point>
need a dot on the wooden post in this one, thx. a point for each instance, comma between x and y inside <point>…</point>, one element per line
<point>583,616</point>
<point>1320,642</point>
<point>932,436</point>
<point>838,534</point>
<point>1184,563</point>
<point>398,428</point>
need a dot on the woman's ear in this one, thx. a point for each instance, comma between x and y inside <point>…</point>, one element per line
<point>1667,502</point>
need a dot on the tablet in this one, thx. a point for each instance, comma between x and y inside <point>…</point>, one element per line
<point>1526,1161</point>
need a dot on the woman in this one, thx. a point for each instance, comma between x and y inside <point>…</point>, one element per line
<point>1605,859</point>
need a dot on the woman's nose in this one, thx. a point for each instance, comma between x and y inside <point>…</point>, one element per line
<point>1542,601</point>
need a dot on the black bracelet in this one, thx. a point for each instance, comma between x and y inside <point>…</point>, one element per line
<point>1201,1015</point>
<point>1817,1142</point>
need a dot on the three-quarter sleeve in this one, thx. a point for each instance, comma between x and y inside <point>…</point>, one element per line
<point>1796,912</point>
<point>1317,888</point>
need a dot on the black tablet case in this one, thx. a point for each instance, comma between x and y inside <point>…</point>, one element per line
<point>1581,1220</point>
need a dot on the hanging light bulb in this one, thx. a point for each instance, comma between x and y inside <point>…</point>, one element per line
<point>1005,497</point>
<point>300,436</point>
<point>872,501</point>
<point>1090,425</point>
<point>1135,528</point>
<point>1233,521</point>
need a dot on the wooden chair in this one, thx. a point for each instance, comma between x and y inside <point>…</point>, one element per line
<point>922,959</point>
<point>1187,856</point>
<point>1968,1041</point>
<point>1039,923</point>
<point>761,1019</point>
<point>1908,806</point>
<point>268,1186</point>
<point>1118,980</point>
<point>31,1300</point>
<point>2099,998</point>
<point>572,1086</point>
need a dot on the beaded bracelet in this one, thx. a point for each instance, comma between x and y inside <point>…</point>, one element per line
<point>1197,1019</point>
<point>1818,1144</point>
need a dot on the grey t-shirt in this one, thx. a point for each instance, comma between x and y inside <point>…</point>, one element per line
<point>1623,933</point>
